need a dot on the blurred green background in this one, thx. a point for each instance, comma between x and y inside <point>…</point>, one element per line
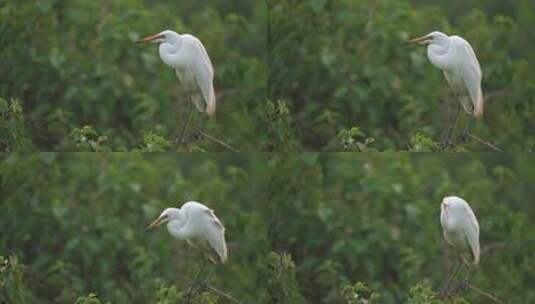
<point>73,64</point>
<point>339,64</point>
<point>306,228</point>
<point>77,222</point>
<point>374,218</point>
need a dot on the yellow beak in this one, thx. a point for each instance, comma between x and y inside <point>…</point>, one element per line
<point>149,38</point>
<point>418,40</point>
<point>156,223</point>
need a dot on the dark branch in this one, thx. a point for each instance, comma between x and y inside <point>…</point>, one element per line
<point>218,141</point>
<point>481,141</point>
<point>464,286</point>
<point>221,293</point>
<point>488,295</point>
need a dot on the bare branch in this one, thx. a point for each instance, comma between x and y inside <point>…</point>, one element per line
<point>488,295</point>
<point>481,141</point>
<point>464,286</point>
<point>218,141</point>
<point>221,293</point>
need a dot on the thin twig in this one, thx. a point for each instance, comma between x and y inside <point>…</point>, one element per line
<point>218,141</point>
<point>221,293</point>
<point>481,141</point>
<point>488,295</point>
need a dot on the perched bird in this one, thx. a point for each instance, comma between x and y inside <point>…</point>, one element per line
<point>188,57</point>
<point>461,231</point>
<point>198,226</point>
<point>457,59</point>
<point>460,228</point>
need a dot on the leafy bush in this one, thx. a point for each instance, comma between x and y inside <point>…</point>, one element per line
<point>13,134</point>
<point>281,281</point>
<point>90,299</point>
<point>359,294</point>
<point>12,286</point>
<point>278,116</point>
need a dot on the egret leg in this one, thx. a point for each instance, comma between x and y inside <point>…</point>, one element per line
<point>448,282</point>
<point>451,127</point>
<point>196,279</point>
<point>198,134</point>
<point>187,118</point>
<point>207,277</point>
<point>465,284</point>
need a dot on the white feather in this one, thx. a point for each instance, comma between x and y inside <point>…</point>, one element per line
<point>461,228</point>
<point>199,226</point>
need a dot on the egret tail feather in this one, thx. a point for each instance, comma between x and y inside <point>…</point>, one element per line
<point>211,105</point>
<point>478,107</point>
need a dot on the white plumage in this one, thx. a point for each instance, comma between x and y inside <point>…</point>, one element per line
<point>188,57</point>
<point>458,61</point>
<point>199,226</point>
<point>460,228</point>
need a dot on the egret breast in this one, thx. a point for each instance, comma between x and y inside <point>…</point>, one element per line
<point>454,233</point>
<point>455,80</point>
<point>186,76</point>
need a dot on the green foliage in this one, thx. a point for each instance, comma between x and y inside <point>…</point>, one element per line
<point>423,294</point>
<point>343,63</point>
<point>88,139</point>
<point>281,282</point>
<point>422,143</point>
<point>12,287</point>
<point>168,295</point>
<point>13,135</point>
<point>278,117</point>
<point>354,140</point>
<point>90,299</point>
<point>76,65</point>
<point>155,143</point>
<point>359,294</point>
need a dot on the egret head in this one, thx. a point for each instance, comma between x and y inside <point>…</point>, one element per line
<point>431,38</point>
<point>164,36</point>
<point>451,203</point>
<point>167,215</point>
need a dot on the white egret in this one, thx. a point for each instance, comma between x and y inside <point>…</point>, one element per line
<point>461,231</point>
<point>198,226</point>
<point>188,57</point>
<point>458,61</point>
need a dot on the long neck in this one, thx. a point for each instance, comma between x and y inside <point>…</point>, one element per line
<point>168,50</point>
<point>438,51</point>
<point>447,219</point>
<point>178,224</point>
